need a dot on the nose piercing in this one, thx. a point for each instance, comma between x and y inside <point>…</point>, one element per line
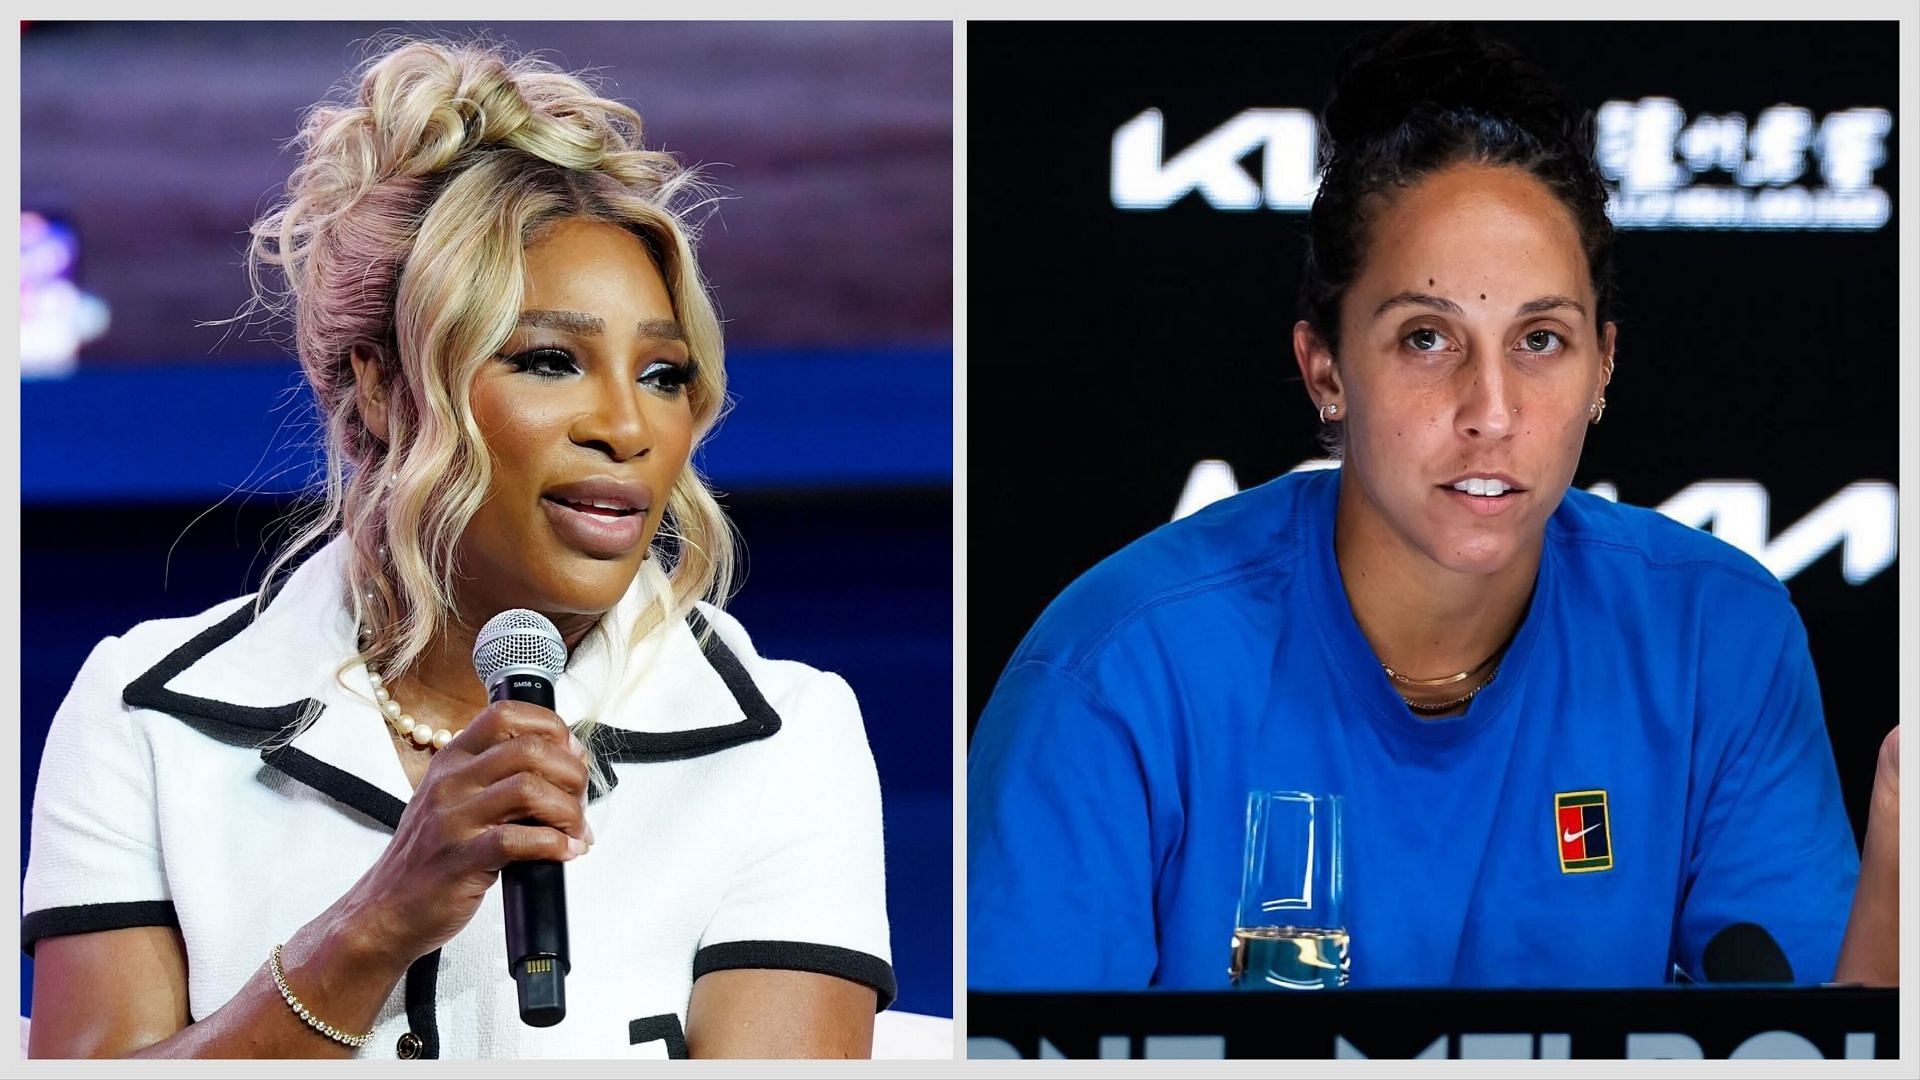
<point>1328,411</point>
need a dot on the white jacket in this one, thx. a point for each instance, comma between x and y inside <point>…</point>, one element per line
<point>743,830</point>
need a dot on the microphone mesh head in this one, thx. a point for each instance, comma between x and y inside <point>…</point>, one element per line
<point>518,638</point>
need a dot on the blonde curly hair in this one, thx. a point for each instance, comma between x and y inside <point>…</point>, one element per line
<point>402,237</point>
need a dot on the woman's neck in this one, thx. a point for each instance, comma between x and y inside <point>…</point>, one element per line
<point>1423,620</point>
<point>442,678</point>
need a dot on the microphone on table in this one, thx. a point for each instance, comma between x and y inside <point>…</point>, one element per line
<point>519,656</point>
<point>1745,953</point>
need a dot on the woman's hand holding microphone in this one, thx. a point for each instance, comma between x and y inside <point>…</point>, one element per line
<point>516,762</point>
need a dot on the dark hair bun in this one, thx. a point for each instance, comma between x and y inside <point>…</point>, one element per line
<point>1419,99</point>
<point>1389,82</point>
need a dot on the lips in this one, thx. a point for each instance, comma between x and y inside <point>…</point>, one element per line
<point>597,507</point>
<point>601,516</point>
<point>1474,479</point>
<point>1483,493</point>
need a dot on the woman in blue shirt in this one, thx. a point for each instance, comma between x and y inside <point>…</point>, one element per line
<point>1440,630</point>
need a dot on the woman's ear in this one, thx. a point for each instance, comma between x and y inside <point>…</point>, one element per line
<point>1607,339</point>
<point>1318,370</point>
<point>370,390</point>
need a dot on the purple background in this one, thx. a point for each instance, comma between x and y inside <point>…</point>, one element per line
<point>833,141</point>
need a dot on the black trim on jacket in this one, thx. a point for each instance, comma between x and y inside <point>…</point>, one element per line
<point>665,1026</point>
<point>245,725</point>
<point>236,725</point>
<point>337,784</point>
<point>758,720</point>
<point>423,977</point>
<point>93,918</point>
<point>849,964</point>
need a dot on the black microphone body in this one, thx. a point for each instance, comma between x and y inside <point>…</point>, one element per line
<point>534,894</point>
<point>1745,953</point>
<point>518,656</point>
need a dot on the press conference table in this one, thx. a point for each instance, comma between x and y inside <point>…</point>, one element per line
<point>1667,1022</point>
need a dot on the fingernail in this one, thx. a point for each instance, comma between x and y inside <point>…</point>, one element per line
<point>578,746</point>
<point>576,845</point>
<point>588,826</point>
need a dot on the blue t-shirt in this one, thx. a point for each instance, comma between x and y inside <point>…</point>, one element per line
<point>1108,777</point>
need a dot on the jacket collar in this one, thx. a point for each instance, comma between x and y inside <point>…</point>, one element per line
<point>248,681</point>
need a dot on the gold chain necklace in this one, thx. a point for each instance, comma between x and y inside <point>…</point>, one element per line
<point>1443,706</point>
<point>1456,702</point>
<point>1446,681</point>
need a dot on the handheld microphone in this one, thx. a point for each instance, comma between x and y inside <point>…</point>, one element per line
<point>1745,953</point>
<point>519,655</point>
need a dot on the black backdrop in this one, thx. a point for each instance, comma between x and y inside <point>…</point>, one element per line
<point>1111,349</point>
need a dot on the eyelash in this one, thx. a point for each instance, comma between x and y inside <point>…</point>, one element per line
<point>1561,342</point>
<point>661,374</point>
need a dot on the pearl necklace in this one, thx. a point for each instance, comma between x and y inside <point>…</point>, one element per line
<point>423,734</point>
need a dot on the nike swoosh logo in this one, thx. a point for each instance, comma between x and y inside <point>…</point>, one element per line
<point>1570,837</point>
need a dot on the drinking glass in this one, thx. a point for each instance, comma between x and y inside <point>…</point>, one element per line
<point>1291,929</point>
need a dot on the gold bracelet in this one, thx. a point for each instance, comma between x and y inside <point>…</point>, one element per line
<point>314,1022</point>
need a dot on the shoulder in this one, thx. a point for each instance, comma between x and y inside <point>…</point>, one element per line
<point>99,742</point>
<point>161,636</point>
<point>121,658</point>
<point>1225,555</point>
<point>1645,551</point>
<point>1687,602</point>
<point>802,695</point>
<point>226,656</point>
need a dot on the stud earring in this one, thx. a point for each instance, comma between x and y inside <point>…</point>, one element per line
<point>1598,409</point>
<point>1328,411</point>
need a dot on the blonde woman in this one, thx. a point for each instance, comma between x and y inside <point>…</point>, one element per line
<point>1577,741</point>
<point>273,829</point>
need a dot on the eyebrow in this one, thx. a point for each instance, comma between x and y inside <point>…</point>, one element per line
<point>579,322</point>
<point>1418,299</point>
<point>1442,304</point>
<point>661,330</point>
<point>572,322</point>
<point>1549,303</point>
